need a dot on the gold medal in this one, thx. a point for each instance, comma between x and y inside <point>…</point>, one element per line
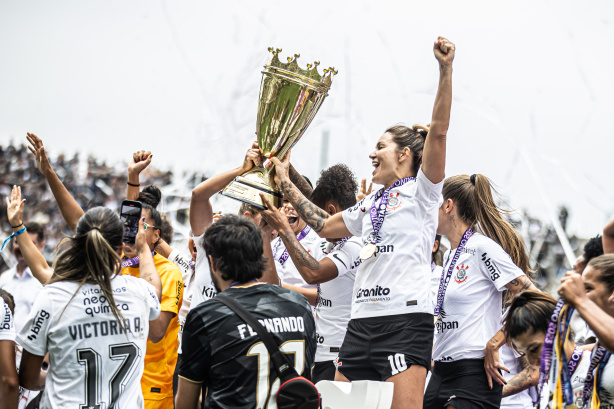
<point>367,251</point>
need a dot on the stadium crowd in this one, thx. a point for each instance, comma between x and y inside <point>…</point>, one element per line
<point>330,282</point>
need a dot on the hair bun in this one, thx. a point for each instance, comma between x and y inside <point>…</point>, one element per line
<point>150,195</point>
<point>421,129</point>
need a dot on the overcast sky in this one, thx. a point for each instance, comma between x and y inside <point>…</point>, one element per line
<point>532,85</point>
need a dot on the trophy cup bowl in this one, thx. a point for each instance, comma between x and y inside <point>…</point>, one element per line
<point>290,97</point>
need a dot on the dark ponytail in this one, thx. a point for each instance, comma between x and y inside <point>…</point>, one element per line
<point>150,197</point>
<point>91,256</point>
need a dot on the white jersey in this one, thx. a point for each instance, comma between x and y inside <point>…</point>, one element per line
<point>7,326</point>
<point>203,285</point>
<point>471,312</point>
<point>187,274</point>
<point>94,360</point>
<point>580,329</point>
<point>333,309</point>
<point>396,279</point>
<point>520,400</point>
<point>287,272</point>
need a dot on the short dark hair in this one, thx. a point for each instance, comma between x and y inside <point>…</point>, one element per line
<point>38,230</point>
<point>338,184</point>
<point>235,245</point>
<point>529,312</point>
<point>593,248</point>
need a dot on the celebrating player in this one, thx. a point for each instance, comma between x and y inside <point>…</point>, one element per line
<point>335,273</point>
<point>93,321</point>
<point>220,351</point>
<point>390,334</point>
<point>9,382</point>
<point>478,268</point>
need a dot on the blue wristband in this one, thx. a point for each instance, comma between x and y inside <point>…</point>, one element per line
<point>17,233</point>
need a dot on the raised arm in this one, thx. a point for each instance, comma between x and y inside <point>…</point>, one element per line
<point>434,153</point>
<point>608,238</point>
<point>201,212</point>
<point>325,225</point>
<point>300,182</point>
<point>34,258</point>
<point>573,292</point>
<point>312,270</point>
<point>71,211</point>
<point>140,160</point>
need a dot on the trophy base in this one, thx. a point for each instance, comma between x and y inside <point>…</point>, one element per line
<point>247,190</point>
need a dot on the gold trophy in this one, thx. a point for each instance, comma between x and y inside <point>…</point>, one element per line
<point>290,97</point>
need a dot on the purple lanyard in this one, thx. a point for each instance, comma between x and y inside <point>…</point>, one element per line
<point>433,266</point>
<point>546,359</point>
<point>574,360</point>
<point>132,261</point>
<point>235,283</point>
<point>192,266</point>
<point>284,256</point>
<point>599,357</point>
<point>378,212</point>
<point>443,284</point>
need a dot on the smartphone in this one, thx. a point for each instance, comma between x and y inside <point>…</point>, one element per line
<point>130,214</point>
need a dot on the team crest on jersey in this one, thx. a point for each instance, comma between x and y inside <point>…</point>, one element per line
<point>461,273</point>
<point>393,201</point>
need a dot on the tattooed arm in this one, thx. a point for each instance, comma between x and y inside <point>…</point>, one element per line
<point>520,284</point>
<point>326,226</point>
<point>300,182</point>
<point>523,380</point>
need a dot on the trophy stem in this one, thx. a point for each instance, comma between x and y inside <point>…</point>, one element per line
<point>247,188</point>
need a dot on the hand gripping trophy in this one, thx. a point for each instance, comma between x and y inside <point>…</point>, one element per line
<point>289,100</point>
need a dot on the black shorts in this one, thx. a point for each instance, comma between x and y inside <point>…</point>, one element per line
<point>379,347</point>
<point>323,371</point>
<point>462,384</point>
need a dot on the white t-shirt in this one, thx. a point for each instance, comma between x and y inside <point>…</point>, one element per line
<point>396,279</point>
<point>93,360</point>
<point>471,313</point>
<point>288,273</point>
<point>24,289</point>
<point>7,327</point>
<point>203,285</point>
<point>182,261</point>
<point>521,400</point>
<point>333,311</point>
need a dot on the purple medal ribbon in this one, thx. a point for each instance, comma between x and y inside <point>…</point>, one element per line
<point>378,212</point>
<point>546,359</point>
<point>443,284</point>
<point>599,357</point>
<point>132,261</point>
<point>433,266</point>
<point>284,256</point>
<point>235,283</point>
<point>574,360</point>
<point>191,263</point>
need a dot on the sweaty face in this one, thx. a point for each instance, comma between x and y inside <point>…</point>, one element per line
<point>530,343</point>
<point>296,223</point>
<point>596,290</point>
<point>385,160</point>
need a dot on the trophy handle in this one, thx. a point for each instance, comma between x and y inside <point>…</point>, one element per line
<point>247,187</point>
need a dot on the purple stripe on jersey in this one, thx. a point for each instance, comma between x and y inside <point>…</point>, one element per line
<point>378,212</point>
<point>443,284</point>
<point>284,256</point>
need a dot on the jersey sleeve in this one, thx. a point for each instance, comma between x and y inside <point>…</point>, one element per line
<point>7,326</point>
<point>33,335</point>
<point>352,216</point>
<point>148,292</point>
<point>195,349</point>
<point>182,261</point>
<point>427,191</point>
<point>172,289</point>
<point>346,256</point>
<point>497,265</point>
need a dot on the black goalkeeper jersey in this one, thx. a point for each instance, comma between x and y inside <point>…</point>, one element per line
<point>221,350</point>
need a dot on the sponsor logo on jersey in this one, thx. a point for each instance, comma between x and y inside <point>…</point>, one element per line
<point>360,205</point>
<point>37,323</point>
<point>6,324</point>
<point>181,262</point>
<point>98,305</point>
<point>380,248</point>
<point>208,292</point>
<point>394,202</point>
<point>491,266</point>
<point>443,325</point>
<point>179,288</point>
<point>461,273</point>
<point>323,302</point>
<point>376,293</point>
<point>319,338</point>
